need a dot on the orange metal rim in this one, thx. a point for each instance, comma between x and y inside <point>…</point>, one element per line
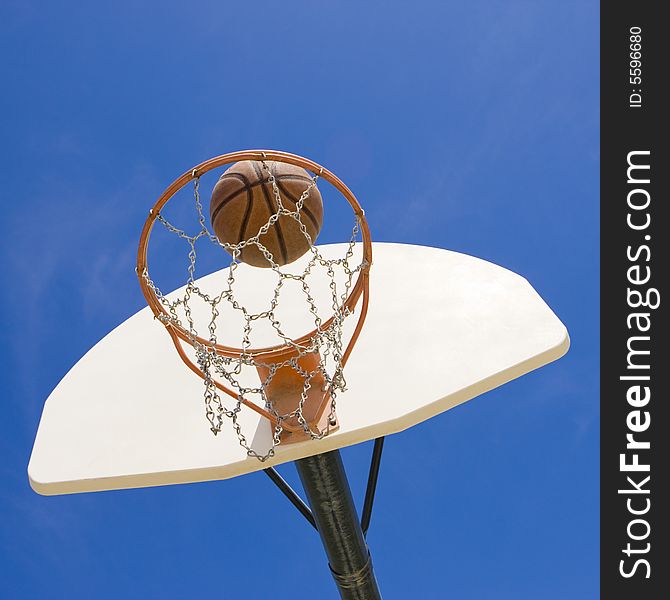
<point>360,288</point>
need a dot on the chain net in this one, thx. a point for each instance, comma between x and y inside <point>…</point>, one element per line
<point>326,343</point>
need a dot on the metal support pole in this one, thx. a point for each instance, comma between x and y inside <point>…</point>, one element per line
<point>329,496</point>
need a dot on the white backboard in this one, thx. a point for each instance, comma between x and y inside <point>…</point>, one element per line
<point>442,328</point>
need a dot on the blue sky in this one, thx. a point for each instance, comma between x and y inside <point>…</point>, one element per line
<point>469,126</point>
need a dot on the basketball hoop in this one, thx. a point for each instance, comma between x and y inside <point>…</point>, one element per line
<point>296,386</point>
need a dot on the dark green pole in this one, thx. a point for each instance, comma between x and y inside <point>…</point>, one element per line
<point>329,497</point>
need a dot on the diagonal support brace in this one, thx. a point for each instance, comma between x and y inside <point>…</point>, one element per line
<point>368,503</point>
<point>289,492</point>
<point>372,484</point>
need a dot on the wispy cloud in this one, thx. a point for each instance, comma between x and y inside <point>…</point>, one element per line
<point>71,260</point>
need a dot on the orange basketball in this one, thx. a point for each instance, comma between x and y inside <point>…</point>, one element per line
<point>243,200</point>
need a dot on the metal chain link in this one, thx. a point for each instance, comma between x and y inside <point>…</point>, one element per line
<point>326,341</point>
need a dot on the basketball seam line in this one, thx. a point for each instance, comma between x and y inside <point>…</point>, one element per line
<point>247,210</point>
<point>247,215</point>
<point>304,208</point>
<point>293,199</point>
<point>247,187</point>
<point>268,201</point>
<point>281,177</point>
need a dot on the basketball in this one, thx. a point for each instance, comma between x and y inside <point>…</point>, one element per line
<point>243,200</point>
